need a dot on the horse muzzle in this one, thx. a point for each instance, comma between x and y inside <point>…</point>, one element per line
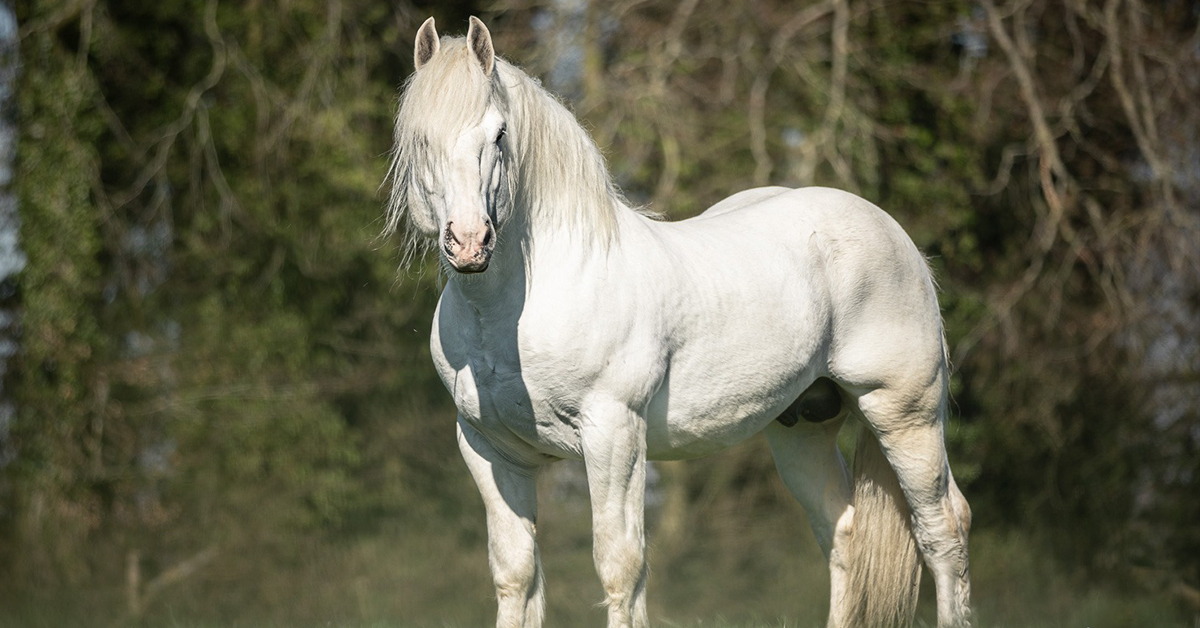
<point>469,250</point>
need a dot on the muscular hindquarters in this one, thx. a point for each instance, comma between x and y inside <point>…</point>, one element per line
<point>887,328</point>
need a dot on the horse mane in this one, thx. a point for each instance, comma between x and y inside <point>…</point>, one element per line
<point>559,179</point>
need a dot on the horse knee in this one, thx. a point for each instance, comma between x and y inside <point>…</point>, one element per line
<point>515,569</point>
<point>515,582</point>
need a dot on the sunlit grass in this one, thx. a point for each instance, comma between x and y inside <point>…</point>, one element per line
<point>438,583</point>
<point>741,564</point>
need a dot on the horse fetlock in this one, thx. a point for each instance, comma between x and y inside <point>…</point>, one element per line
<point>622,579</point>
<point>628,611</point>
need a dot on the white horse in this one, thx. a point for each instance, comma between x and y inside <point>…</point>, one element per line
<point>572,326</point>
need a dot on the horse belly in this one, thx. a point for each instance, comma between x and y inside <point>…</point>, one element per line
<point>702,428</point>
<point>746,354</point>
<point>700,411</point>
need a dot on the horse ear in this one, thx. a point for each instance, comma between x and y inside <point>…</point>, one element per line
<point>427,44</point>
<point>480,42</point>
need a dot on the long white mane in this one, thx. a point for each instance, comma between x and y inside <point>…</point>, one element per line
<point>558,178</point>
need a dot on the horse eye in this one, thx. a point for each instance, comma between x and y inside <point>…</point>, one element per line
<point>501,134</point>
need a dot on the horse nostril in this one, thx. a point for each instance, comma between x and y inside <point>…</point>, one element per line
<point>487,236</point>
<point>449,239</point>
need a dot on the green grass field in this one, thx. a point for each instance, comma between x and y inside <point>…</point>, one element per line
<point>776,580</point>
<point>745,559</point>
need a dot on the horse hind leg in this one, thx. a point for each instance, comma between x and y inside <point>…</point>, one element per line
<point>908,429</point>
<point>807,458</point>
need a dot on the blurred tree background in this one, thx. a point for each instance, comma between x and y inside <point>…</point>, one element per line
<point>218,404</point>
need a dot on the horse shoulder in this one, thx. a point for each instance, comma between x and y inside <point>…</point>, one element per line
<point>594,338</point>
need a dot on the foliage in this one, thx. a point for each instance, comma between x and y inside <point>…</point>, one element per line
<point>223,385</point>
<point>212,329</point>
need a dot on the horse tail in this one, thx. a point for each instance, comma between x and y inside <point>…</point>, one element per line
<point>883,565</point>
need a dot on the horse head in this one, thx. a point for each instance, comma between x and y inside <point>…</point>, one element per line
<point>451,167</point>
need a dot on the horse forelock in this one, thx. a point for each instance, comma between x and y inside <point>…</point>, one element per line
<point>451,93</point>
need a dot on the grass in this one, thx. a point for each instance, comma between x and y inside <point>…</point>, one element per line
<point>437,583</point>
<point>744,562</point>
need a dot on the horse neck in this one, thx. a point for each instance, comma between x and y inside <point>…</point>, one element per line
<point>564,189</point>
<point>501,288</point>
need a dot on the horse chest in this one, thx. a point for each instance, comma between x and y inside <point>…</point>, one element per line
<point>492,395</point>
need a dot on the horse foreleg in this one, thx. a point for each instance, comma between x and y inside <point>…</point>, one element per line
<point>807,458</point>
<point>614,454</point>
<point>510,498</point>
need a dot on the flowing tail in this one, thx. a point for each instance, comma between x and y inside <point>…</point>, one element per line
<point>883,564</point>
